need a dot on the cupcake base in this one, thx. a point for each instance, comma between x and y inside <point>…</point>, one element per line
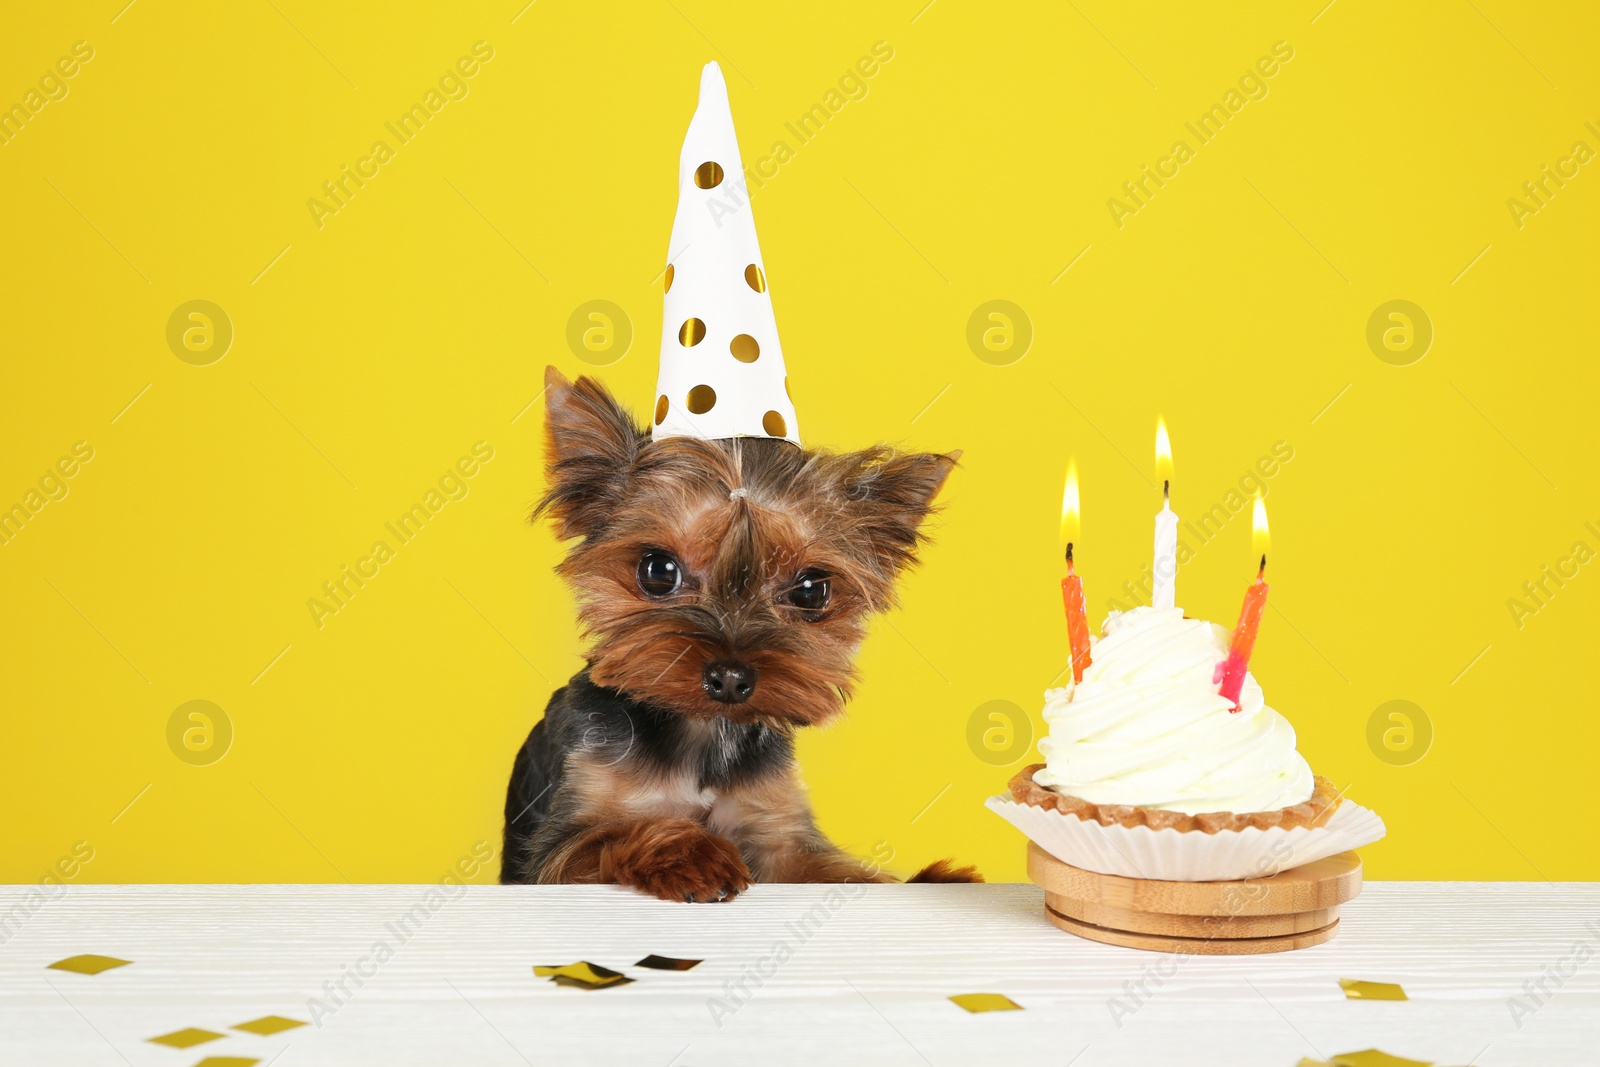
<point>1297,908</point>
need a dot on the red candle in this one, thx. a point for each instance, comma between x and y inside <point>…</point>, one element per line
<point>1231,672</point>
<point>1077,619</point>
<point>1072,585</point>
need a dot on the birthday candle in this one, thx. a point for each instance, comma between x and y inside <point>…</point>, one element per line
<point>1164,568</point>
<point>1072,584</point>
<point>1231,672</point>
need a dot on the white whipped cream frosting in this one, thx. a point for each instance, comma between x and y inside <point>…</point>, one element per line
<point>1147,727</point>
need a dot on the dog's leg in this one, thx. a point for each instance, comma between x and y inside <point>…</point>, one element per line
<point>946,871</point>
<point>674,859</point>
<point>610,824</point>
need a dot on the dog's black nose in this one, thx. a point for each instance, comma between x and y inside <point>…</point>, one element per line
<point>728,681</point>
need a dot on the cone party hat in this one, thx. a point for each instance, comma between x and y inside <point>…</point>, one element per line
<point>722,372</point>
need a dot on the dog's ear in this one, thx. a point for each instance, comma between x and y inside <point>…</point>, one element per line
<point>590,446</point>
<point>893,493</point>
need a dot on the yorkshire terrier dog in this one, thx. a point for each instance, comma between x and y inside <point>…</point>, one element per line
<point>726,586</point>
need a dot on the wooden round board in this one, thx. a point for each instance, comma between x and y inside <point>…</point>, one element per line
<point>1294,909</point>
<point>1200,946</point>
<point>1202,926</point>
<point>1327,883</point>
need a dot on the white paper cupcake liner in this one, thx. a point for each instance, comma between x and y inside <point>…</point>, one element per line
<point>1188,856</point>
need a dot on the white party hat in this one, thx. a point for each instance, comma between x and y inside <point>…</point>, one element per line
<point>722,372</point>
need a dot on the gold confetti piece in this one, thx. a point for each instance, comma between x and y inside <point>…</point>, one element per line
<point>227,1061</point>
<point>584,974</point>
<point>89,964</point>
<point>1354,989</point>
<point>578,983</point>
<point>186,1038</point>
<point>976,1002</point>
<point>1313,1063</point>
<point>667,963</point>
<point>1372,1057</point>
<point>582,971</point>
<point>269,1024</point>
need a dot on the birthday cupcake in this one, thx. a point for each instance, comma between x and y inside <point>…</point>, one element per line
<point>1151,772</point>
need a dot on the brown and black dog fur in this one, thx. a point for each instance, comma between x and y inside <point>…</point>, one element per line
<point>726,586</point>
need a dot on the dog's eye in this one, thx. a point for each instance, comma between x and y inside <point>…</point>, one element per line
<point>810,591</point>
<point>659,574</point>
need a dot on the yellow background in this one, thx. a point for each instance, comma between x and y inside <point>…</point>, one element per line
<point>377,349</point>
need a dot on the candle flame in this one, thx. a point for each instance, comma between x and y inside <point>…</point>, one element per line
<point>1260,538</point>
<point>1163,453</point>
<point>1069,505</point>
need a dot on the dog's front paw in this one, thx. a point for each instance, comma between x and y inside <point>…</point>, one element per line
<point>680,860</point>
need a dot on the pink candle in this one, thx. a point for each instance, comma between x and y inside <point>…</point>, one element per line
<point>1232,671</point>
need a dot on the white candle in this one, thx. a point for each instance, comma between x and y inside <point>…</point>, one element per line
<point>1164,591</point>
<point>1164,568</point>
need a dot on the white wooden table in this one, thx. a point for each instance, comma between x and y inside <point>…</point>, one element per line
<point>868,985</point>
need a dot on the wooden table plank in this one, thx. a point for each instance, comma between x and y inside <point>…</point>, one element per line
<point>858,974</point>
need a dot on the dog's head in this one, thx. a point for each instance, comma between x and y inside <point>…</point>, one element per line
<point>729,578</point>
